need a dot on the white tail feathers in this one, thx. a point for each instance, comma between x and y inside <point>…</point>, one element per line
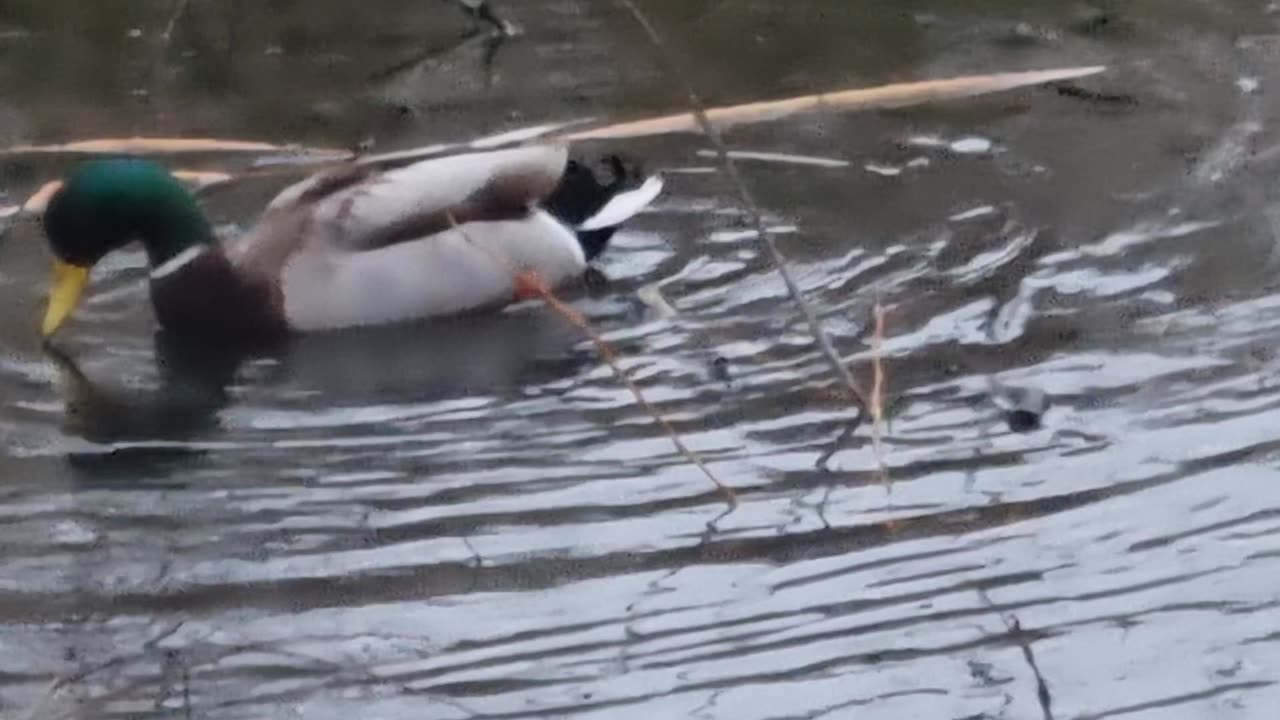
<point>624,205</point>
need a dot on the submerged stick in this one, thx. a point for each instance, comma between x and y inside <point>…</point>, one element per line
<point>532,284</point>
<point>700,114</point>
<point>528,284</point>
<point>1019,636</point>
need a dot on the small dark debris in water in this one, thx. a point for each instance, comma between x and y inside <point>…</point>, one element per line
<point>984,674</point>
<point>1023,408</point>
<point>1096,21</point>
<point>1229,671</point>
<point>720,370</point>
<point>1022,421</point>
<point>1075,91</point>
<point>365,146</point>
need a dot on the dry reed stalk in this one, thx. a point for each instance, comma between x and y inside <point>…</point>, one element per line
<point>883,97</point>
<point>894,95</point>
<point>528,285</point>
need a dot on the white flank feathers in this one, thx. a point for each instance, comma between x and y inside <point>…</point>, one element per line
<point>447,273</point>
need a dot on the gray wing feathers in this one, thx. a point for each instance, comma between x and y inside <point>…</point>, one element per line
<point>359,207</point>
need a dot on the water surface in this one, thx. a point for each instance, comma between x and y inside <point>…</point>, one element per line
<point>473,519</point>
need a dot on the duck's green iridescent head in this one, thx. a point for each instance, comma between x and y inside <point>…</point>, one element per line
<point>106,204</point>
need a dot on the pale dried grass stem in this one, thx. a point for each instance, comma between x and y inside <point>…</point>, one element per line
<point>878,392</point>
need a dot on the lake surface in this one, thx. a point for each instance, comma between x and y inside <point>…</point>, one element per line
<point>473,519</point>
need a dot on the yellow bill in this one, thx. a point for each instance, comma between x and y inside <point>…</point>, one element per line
<point>69,282</point>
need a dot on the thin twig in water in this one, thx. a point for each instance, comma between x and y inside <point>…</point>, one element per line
<point>528,283</point>
<point>877,393</point>
<point>838,444</point>
<point>821,463</point>
<point>186,692</point>
<point>156,76</point>
<point>58,684</point>
<point>1014,626</point>
<point>179,7</point>
<point>698,108</point>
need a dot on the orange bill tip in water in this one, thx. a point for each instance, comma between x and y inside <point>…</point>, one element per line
<point>884,97</point>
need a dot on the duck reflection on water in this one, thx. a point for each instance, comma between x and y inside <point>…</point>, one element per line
<point>177,418</point>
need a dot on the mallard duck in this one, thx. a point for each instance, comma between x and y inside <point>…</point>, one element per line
<point>365,243</point>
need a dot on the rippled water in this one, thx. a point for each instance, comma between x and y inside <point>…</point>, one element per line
<point>473,519</point>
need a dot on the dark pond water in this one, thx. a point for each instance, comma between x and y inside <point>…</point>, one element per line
<point>473,519</point>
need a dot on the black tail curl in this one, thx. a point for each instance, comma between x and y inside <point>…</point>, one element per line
<point>581,195</point>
